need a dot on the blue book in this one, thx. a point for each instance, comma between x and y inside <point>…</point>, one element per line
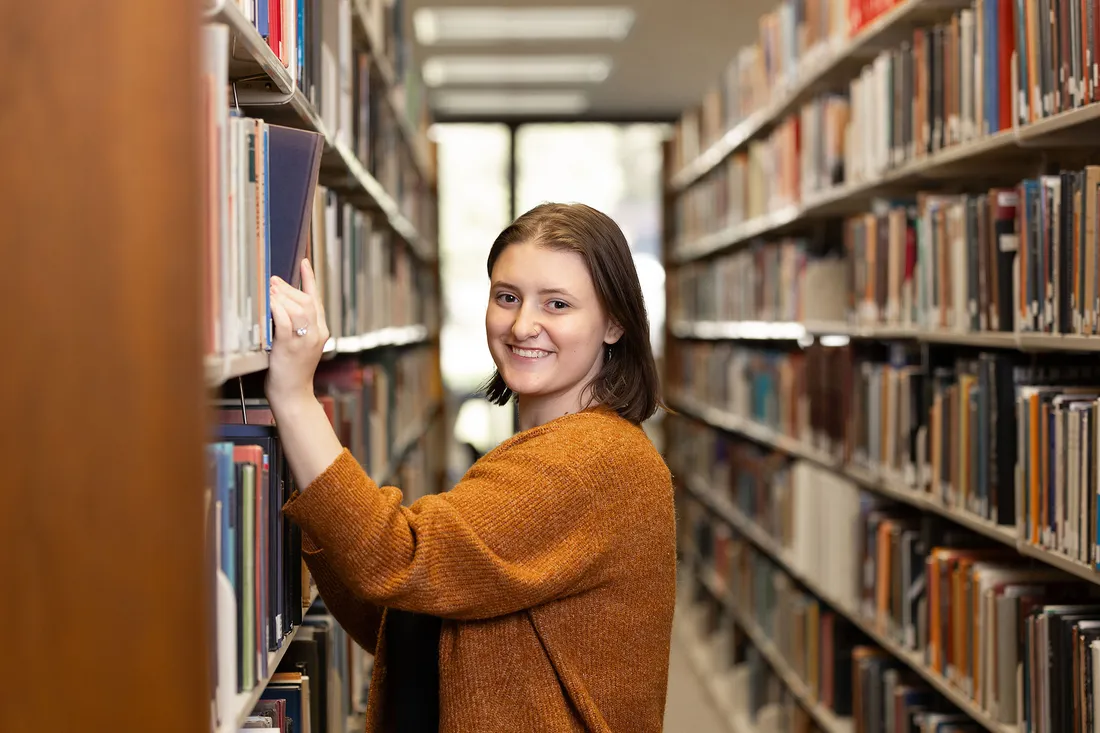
<point>301,47</point>
<point>226,477</point>
<point>294,162</point>
<point>268,326</point>
<point>263,24</point>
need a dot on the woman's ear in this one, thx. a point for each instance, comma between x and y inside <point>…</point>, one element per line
<point>614,333</point>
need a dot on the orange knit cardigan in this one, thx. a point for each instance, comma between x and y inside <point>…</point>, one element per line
<point>552,564</point>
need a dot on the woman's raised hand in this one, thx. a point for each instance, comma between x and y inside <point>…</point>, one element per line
<point>300,336</point>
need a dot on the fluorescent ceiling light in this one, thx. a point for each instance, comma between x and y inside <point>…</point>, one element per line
<point>441,70</point>
<point>497,24</point>
<point>509,103</point>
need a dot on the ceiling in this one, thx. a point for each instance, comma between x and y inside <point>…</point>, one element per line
<point>673,54</point>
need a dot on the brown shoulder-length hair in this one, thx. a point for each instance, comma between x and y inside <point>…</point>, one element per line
<point>628,382</point>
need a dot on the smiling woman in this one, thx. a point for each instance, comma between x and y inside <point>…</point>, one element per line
<point>537,594</point>
<point>566,321</point>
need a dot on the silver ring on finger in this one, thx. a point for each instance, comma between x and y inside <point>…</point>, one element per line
<point>302,331</point>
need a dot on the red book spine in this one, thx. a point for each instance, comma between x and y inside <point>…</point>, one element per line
<point>1006,45</point>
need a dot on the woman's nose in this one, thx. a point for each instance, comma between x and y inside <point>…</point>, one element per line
<point>525,325</point>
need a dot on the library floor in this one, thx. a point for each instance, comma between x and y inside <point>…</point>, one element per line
<point>687,707</point>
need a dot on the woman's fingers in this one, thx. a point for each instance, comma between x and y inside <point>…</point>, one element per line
<point>309,281</point>
<point>309,287</point>
<point>290,292</point>
<point>284,327</point>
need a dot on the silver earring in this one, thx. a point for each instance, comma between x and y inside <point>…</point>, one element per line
<point>609,353</point>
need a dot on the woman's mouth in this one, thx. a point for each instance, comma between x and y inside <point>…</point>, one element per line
<point>529,353</point>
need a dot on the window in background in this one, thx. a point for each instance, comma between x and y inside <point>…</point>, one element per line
<point>474,206</point>
<point>613,168</point>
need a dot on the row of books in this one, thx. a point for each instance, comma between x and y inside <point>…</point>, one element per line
<point>835,664</point>
<point>295,33</point>
<point>974,73</point>
<point>1019,258</point>
<point>785,498</point>
<point>793,38</point>
<point>377,406</point>
<point>320,683</point>
<point>732,193</point>
<point>378,411</point>
<point>256,177</point>
<point>1014,638</point>
<point>952,83</point>
<point>260,182</point>
<point>784,280</point>
<point>368,277</point>
<point>344,81</point>
<point>950,431</point>
<point>745,687</point>
<point>259,582</point>
<point>802,393</point>
<point>988,434</point>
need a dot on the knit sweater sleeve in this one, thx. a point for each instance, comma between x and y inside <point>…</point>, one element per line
<point>360,618</point>
<point>516,532</point>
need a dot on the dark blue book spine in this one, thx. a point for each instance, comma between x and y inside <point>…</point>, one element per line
<point>267,325</point>
<point>263,24</point>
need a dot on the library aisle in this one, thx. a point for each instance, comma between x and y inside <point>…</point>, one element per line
<point>687,708</point>
<point>867,234</point>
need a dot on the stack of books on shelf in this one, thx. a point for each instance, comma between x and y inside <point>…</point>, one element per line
<point>1017,259</point>
<point>321,682</point>
<point>905,612</point>
<point>882,256</point>
<point>304,159</point>
<point>960,83</point>
<point>309,152</point>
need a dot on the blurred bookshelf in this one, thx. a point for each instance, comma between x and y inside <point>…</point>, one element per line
<point>881,231</point>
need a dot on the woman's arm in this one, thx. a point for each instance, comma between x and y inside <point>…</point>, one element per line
<point>361,619</point>
<point>519,530</point>
<point>306,436</point>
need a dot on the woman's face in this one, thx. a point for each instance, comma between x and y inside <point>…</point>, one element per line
<point>544,323</point>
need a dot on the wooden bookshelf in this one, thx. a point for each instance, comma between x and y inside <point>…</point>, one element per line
<point>102,442</point>
<point>109,385</point>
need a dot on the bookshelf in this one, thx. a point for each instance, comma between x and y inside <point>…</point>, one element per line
<point>880,237</point>
<point>770,547</point>
<point>371,239</point>
<point>244,701</point>
<point>251,56</point>
<point>126,391</point>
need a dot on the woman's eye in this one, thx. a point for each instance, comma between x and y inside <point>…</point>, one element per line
<point>558,304</point>
<point>507,298</point>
